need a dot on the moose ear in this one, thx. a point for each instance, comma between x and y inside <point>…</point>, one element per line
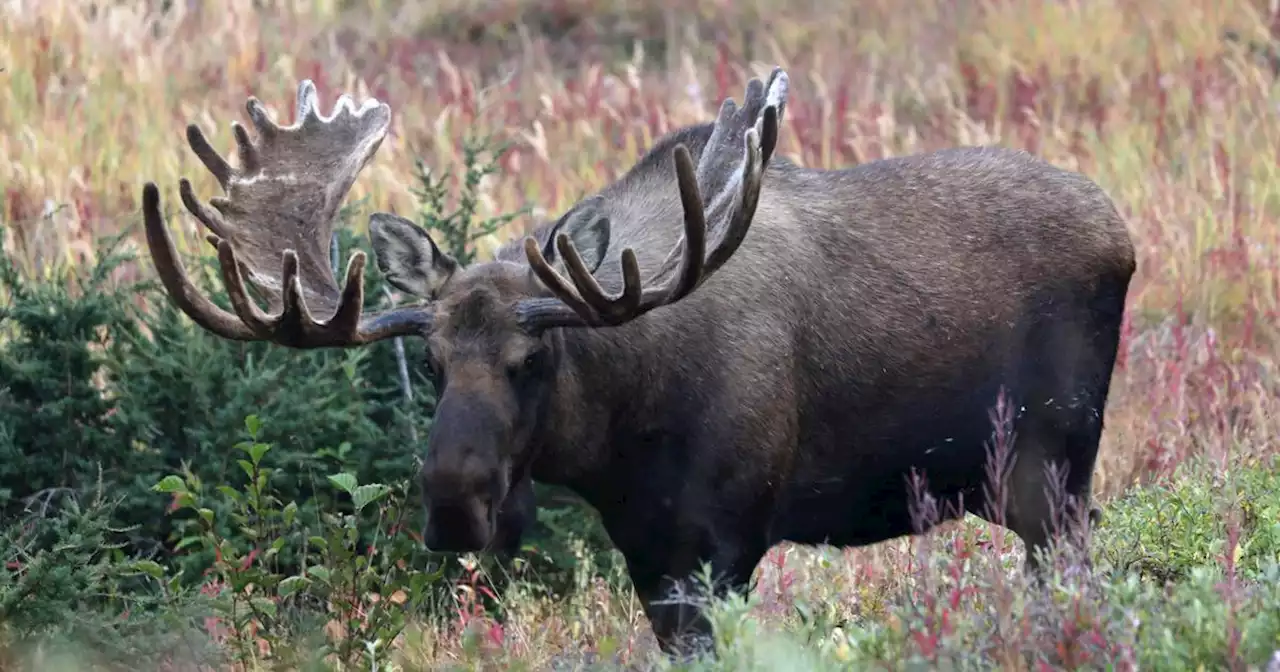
<point>408,257</point>
<point>588,229</point>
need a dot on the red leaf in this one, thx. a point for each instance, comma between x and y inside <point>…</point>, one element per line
<point>496,635</point>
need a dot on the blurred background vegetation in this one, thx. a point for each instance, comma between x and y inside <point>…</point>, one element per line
<point>505,113</point>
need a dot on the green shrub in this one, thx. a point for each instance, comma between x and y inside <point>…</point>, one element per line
<point>67,589</point>
<point>969,610</point>
<point>1166,531</point>
<point>55,422</point>
<point>354,573</point>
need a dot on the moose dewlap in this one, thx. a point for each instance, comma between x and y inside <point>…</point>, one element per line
<point>719,351</point>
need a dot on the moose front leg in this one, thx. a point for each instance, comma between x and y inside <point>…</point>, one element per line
<point>677,614</point>
<point>518,513</point>
<point>672,589</point>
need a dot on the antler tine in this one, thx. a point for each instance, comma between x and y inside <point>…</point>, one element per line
<point>173,276</point>
<point>610,310</point>
<point>695,264</point>
<point>250,314</point>
<point>561,288</point>
<point>582,295</point>
<point>735,196</point>
<point>739,222</point>
<point>279,208</point>
<point>763,103</point>
<point>694,243</point>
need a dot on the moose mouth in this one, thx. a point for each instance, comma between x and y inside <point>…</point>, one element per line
<point>460,527</point>
<point>466,524</point>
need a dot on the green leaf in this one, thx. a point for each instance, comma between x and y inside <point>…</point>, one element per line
<point>345,481</point>
<point>231,493</point>
<point>319,571</point>
<point>419,581</point>
<point>170,483</point>
<point>257,450</point>
<point>253,424</point>
<point>263,605</point>
<point>290,512</point>
<point>292,585</point>
<point>367,494</point>
<point>148,567</point>
<point>206,514</point>
<point>247,467</point>
<point>319,542</point>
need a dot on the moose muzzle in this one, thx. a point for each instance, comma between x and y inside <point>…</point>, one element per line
<point>463,519</point>
<point>464,481</point>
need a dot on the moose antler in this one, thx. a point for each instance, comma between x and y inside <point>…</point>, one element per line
<point>725,183</point>
<point>274,229</point>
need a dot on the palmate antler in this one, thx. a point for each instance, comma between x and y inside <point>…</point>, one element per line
<point>273,228</point>
<point>724,185</point>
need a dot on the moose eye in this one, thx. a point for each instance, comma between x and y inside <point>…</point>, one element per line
<point>434,374</point>
<point>526,365</point>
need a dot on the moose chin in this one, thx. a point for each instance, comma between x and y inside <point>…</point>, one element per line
<point>466,521</point>
<point>495,523</point>
<point>719,351</point>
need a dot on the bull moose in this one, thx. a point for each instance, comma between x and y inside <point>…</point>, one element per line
<point>710,386</point>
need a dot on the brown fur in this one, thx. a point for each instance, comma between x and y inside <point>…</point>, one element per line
<point>863,328</point>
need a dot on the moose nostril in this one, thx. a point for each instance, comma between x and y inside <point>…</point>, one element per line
<point>458,523</point>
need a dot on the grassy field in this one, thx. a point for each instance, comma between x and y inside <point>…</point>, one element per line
<point>1178,124</point>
